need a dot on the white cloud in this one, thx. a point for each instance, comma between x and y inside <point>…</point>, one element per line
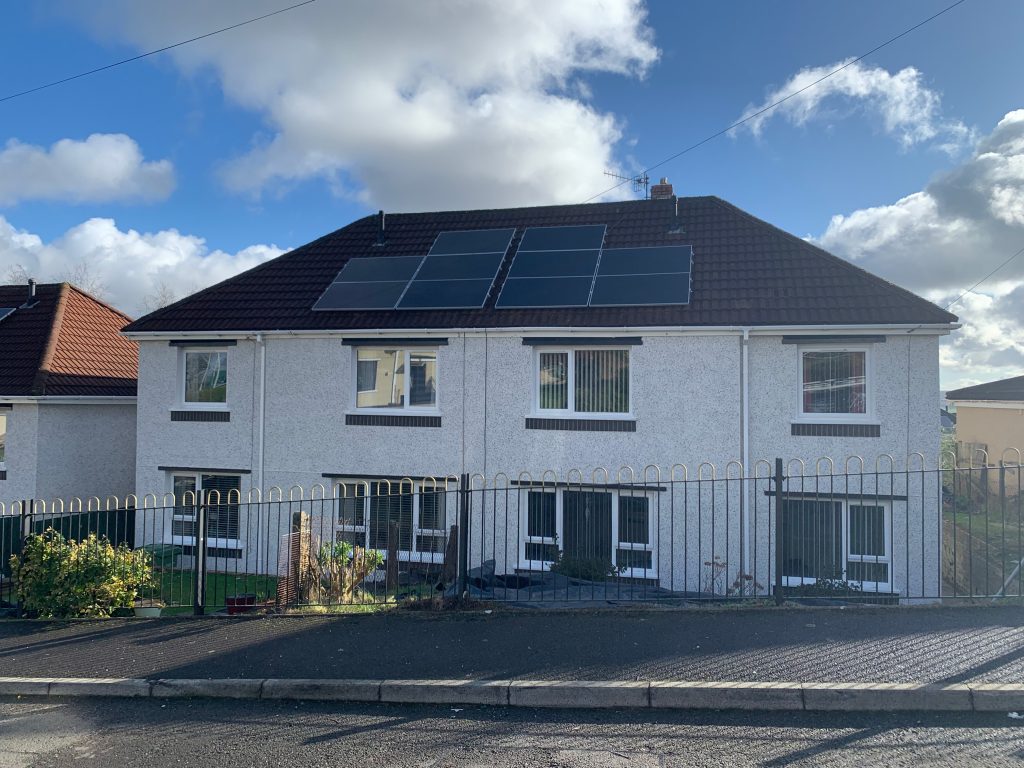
<point>943,239</point>
<point>105,167</point>
<point>909,110</point>
<point>129,269</point>
<point>412,105</point>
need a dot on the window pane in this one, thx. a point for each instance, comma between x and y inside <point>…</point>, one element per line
<point>877,572</point>
<point>352,505</point>
<point>634,559</point>
<point>221,493</point>
<point>432,510</point>
<point>602,380</point>
<point>542,553</point>
<point>366,375</point>
<point>587,525</point>
<point>206,377</point>
<point>540,515</point>
<point>423,379</point>
<point>3,437</point>
<point>812,539</point>
<point>184,506</point>
<point>554,380</point>
<point>867,531</point>
<point>834,382</point>
<point>633,520</point>
<point>389,378</point>
<point>390,504</point>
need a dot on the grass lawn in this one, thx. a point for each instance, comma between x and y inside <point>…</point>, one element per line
<point>176,587</point>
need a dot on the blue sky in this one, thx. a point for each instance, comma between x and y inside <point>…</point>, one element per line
<point>210,158</point>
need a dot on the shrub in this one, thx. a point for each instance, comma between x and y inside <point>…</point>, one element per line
<point>584,568</point>
<point>60,578</point>
<point>337,569</point>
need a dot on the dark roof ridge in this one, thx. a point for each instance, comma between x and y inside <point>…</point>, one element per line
<point>838,260</point>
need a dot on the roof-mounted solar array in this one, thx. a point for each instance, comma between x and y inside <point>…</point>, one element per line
<point>5,311</point>
<point>554,267</point>
<point>566,267</point>
<point>459,270</point>
<point>457,273</point>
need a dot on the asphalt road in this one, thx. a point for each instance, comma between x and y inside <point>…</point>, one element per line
<point>226,734</point>
<point>950,645</point>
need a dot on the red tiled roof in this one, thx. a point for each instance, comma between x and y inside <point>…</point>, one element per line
<point>67,343</point>
<point>745,272</point>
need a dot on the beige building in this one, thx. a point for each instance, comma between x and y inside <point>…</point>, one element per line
<point>990,430</point>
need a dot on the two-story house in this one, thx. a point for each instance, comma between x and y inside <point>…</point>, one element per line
<point>653,332</point>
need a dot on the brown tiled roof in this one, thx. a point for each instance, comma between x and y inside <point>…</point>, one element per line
<point>1004,389</point>
<point>65,344</point>
<point>745,272</point>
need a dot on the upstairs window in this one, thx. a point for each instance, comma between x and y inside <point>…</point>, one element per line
<point>205,377</point>
<point>834,383</point>
<point>396,379</point>
<point>583,381</point>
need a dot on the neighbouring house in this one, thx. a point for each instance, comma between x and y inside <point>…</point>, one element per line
<point>67,396</point>
<point>542,340</point>
<point>990,430</point>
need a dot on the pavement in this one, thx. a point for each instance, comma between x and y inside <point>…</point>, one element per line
<point>854,658</point>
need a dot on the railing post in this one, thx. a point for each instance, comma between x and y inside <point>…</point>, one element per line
<point>464,500</point>
<point>779,597</point>
<point>199,559</point>
<point>24,529</point>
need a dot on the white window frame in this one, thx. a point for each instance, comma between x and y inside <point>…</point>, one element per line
<point>426,410</point>
<point>184,404</point>
<point>616,494</point>
<point>190,541</point>
<point>847,502</point>
<point>419,487</point>
<point>376,372</point>
<point>570,411</point>
<point>836,418</point>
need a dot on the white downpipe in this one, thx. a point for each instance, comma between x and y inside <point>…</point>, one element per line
<point>745,447</point>
<point>263,407</point>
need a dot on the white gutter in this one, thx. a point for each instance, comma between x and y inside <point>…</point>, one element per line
<point>1013,405</point>
<point>745,443</point>
<point>70,400</point>
<point>262,409</point>
<point>670,330</point>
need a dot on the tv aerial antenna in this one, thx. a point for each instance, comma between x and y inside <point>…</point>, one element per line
<point>640,182</point>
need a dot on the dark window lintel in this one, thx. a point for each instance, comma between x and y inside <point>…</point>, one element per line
<point>582,341</point>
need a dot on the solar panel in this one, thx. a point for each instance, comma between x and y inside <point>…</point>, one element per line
<point>554,264</point>
<point>459,270</point>
<point>520,292</point>
<point>463,266</point>
<point>370,295</point>
<point>585,237</point>
<point>5,311</point>
<point>473,241</point>
<point>381,268</point>
<point>646,261</point>
<point>641,290</point>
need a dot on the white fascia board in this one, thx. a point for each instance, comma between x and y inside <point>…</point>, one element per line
<point>1015,405</point>
<point>69,400</point>
<point>936,329</point>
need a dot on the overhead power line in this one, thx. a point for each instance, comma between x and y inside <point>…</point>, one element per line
<point>986,277</point>
<point>151,53</point>
<point>773,105</point>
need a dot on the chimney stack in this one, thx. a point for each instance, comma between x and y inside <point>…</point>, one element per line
<point>31,298</point>
<point>662,190</point>
<point>380,228</point>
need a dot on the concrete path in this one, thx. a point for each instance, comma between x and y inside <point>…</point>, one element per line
<point>646,658</point>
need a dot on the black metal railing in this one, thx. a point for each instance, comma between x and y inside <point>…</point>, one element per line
<point>784,531</point>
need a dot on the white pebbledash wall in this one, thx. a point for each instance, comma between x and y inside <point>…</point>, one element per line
<point>686,398</point>
<point>64,451</point>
